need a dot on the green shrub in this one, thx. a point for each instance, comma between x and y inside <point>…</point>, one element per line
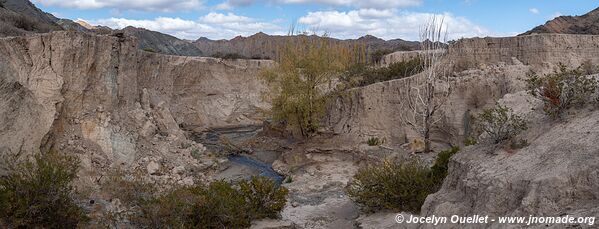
<point>394,185</point>
<point>38,193</point>
<point>398,185</point>
<point>374,141</point>
<point>561,90</point>
<point>500,123</point>
<point>469,141</point>
<point>439,169</point>
<point>229,56</point>
<point>263,198</point>
<point>218,205</point>
<point>362,75</point>
<point>148,49</point>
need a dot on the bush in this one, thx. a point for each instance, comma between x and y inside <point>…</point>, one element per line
<point>398,185</point>
<point>394,185</point>
<point>439,169</point>
<point>500,123</point>
<point>561,90</point>
<point>374,141</point>
<point>263,198</point>
<point>361,75</point>
<point>229,56</point>
<point>218,205</point>
<point>38,193</point>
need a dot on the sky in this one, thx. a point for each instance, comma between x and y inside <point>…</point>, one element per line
<point>345,19</point>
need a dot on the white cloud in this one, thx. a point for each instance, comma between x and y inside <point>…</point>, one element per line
<point>405,25</point>
<point>212,25</point>
<point>534,10</point>
<point>379,4</point>
<point>142,5</point>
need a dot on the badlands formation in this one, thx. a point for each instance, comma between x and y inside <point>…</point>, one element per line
<point>115,106</point>
<point>112,105</point>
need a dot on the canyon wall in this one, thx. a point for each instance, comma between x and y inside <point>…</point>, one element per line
<point>114,105</point>
<point>540,50</point>
<point>488,68</point>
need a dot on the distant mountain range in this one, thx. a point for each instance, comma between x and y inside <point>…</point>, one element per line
<point>21,17</point>
<point>264,46</point>
<point>584,24</point>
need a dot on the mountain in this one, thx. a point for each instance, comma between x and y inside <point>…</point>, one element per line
<point>264,46</point>
<point>584,24</point>
<point>162,43</point>
<point>21,17</point>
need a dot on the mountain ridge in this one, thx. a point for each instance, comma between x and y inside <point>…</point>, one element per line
<point>584,24</point>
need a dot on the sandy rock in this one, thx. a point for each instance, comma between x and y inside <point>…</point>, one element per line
<point>556,175</point>
<point>153,168</point>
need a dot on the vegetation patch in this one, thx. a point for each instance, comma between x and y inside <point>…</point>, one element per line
<point>217,205</point>
<point>500,124</point>
<point>398,185</point>
<point>361,75</point>
<point>562,89</point>
<point>38,193</point>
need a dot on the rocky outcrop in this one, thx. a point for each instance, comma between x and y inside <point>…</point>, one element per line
<point>556,175</point>
<point>101,98</point>
<point>584,24</point>
<point>375,110</point>
<point>541,51</point>
<point>487,69</point>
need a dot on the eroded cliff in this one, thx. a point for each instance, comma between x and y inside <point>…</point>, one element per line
<point>114,105</point>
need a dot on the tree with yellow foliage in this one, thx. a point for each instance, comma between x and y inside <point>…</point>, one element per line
<point>303,76</point>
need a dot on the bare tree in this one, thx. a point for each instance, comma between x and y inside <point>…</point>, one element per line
<point>425,94</point>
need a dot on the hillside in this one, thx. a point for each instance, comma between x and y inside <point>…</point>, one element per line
<point>261,45</point>
<point>162,43</point>
<point>21,17</point>
<point>584,24</point>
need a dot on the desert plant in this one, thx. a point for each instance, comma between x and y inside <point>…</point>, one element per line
<point>470,141</point>
<point>374,141</point>
<point>220,205</point>
<point>395,185</point>
<point>361,75</point>
<point>38,193</point>
<point>217,205</point>
<point>263,198</point>
<point>439,169</point>
<point>500,123</point>
<point>561,90</point>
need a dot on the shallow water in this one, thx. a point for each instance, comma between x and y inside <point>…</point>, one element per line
<point>237,135</point>
<point>264,169</point>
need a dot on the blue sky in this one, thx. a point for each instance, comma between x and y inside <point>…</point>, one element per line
<point>388,19</point>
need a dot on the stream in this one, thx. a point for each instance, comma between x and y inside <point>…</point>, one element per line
<point>242,166</point>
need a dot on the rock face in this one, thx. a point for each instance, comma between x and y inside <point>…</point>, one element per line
<point>541,51</point>
<point>113,105</point>
<point>584,24</point>
<point>556,175</point>
<point>496,67</point>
